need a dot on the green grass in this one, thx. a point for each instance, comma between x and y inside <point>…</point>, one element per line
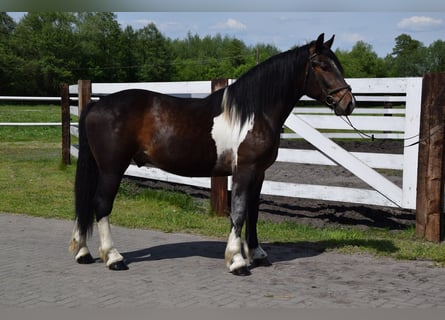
<point>34,182</point>
<point>30,114</point>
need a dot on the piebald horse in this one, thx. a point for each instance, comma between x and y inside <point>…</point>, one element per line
<point>233,131</point>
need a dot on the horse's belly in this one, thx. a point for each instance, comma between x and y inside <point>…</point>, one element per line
<point>196,168</point>
<point>191,160</point>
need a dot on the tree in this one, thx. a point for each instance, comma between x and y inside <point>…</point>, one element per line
<point>8,61</point>
<point>128,58</point>
<point>436,57</point>
<point>197,58</point>
<point>216,57</point>
<point>361,62</point>
<point>44,44</point>
<point>235,51</point>
<point>100,41</point>
<point>408,58</point>
<point>44,49</point>
<point>153,55</point>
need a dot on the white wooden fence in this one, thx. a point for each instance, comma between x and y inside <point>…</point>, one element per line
<point>306,121</point>
<point>33,99</point>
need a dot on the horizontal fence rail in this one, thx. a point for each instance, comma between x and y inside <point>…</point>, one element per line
<point>388,108</point>
<point>28,99</point>
<point>30,124</point>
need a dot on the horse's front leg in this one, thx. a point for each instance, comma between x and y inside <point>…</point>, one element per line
<point>234,258</point>
<point>255,253</point>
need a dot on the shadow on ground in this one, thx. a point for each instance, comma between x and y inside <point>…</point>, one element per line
<point>278,252</point>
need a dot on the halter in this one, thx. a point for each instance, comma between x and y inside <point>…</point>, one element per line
<point>328,98</point>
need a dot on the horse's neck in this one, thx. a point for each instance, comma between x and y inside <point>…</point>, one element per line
<point>284,101</point>
<point>269,90</point>
<point>277,113</point>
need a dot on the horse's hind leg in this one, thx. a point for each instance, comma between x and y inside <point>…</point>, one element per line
<point>78,246</point>
<point>108,253</point>
<point>107,188</point>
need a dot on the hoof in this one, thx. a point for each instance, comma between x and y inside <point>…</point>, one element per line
<point>263,262</point>
<point>86,259</point>
<point>243,271</point>
<point>118,266</point>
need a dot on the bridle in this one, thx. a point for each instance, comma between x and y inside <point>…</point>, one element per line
<point>327,94</point>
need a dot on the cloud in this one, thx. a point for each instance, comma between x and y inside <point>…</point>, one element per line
<point>419,23</point>
<point>230,24</point>
<point>144,22</point>
<point>163,27</point>
<point>351,37</point>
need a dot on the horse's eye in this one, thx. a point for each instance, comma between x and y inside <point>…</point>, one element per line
<point>322,64</point>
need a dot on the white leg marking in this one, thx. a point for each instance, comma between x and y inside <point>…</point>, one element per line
<point>233,256</point>
<point>228,132</point>
<point>78,244</point>
<point>107,252</point>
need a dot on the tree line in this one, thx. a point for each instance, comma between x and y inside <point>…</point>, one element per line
<point>43,50</point>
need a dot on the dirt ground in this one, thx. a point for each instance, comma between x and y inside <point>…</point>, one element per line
<point>317,212</point>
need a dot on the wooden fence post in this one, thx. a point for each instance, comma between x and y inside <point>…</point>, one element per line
<point>66,136</point>
<point>218,185</point>
<point>84,92</point>
<point>430,181</point>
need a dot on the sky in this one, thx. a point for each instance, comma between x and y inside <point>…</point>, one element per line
<point>287,29</point>
<point>286,23</point>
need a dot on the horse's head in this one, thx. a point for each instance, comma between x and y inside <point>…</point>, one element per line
<point>324,79</point>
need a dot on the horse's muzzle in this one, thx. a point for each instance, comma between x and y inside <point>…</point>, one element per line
<point>344,107</point>
<point>350,108</point>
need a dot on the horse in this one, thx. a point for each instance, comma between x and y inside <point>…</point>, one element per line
<point>233,131</point>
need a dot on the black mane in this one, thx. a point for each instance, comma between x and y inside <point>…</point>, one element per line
<point>271,82</point>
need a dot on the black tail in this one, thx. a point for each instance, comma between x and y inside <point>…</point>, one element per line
<point>86,179</point>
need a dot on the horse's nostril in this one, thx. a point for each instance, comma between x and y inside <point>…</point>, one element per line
<point>350,107</point>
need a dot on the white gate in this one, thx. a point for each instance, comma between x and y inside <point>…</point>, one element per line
<point>404,125</point>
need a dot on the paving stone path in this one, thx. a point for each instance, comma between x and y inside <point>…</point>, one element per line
<point>181,270</point>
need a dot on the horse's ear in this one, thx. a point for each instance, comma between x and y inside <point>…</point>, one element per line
<point>319,43</point>
<point>329,42</point>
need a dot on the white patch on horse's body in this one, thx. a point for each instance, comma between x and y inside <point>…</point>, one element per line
<point>107,252</point>
<point>233,256</point>
<point>229,132</point>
